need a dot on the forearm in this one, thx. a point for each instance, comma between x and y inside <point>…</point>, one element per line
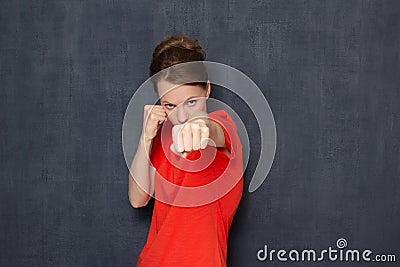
<point>217,134</point>
<point>140,176</point>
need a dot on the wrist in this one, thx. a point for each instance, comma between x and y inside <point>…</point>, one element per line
<point>217,134</point>
<point>213,130</point>
<point>145,141</point>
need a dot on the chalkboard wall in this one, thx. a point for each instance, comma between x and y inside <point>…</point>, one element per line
<point>330,71</point>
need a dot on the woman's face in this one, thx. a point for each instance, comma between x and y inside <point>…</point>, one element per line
<point>181,102</point>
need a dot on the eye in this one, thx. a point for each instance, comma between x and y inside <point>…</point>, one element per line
<point>169,106</point>
<point>192,102</point>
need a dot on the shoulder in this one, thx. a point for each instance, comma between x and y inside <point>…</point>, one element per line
<point>218,113</point>
<point>222,117</point>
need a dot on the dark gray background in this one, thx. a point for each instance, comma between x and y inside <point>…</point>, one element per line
<point>329,69</point>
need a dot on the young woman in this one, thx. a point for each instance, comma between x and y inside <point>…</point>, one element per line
<point>188,227</point>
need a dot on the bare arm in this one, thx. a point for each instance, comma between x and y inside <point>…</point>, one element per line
<point>141,172</point>
<point>217,134</point>
<point>141,188</point>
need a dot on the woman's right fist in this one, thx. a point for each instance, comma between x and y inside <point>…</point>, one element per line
<point>153,117</point>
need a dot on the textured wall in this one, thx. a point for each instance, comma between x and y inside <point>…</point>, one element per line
<point>329,69</point>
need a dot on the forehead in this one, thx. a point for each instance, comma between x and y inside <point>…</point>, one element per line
<point>173,93</point>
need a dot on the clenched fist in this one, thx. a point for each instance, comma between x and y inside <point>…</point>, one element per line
<point>192,135</point>
<point>153,117</point>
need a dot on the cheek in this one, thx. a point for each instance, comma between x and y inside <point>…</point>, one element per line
<point>195,109</point>
<point>167,111</point>
<point>201,106</point>
<point>170,114</point>
<point>170,111</point>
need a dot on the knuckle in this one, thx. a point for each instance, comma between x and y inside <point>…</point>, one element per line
<point>153,116</point>
<point>186,129</point>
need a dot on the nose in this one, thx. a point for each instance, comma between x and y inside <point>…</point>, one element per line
<point>182,115</point>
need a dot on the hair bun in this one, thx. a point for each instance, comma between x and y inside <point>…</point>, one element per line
<point>174,50</point>
<point>178,42</point>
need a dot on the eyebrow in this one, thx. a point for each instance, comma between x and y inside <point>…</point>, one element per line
<point>164,101</point>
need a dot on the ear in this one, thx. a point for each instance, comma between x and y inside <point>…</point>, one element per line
<point>208,89</point>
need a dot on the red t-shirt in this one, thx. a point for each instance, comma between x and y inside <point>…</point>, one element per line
<point>190,228</point>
